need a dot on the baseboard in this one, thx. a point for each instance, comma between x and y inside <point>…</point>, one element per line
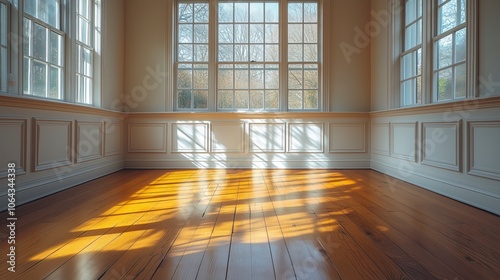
<point>37,189</point>
<point>479,199</point>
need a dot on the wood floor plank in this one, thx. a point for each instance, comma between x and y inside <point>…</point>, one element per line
<point>253,224</point>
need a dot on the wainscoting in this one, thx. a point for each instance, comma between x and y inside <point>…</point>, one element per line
<point>238,140</point>
<point>56,146</point>
<point>451,149</point>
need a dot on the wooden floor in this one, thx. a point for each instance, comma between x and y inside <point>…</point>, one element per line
<point>252,224</point>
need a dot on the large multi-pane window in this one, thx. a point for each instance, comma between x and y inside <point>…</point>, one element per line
<point>43,49</point>
<point>434,52</point>
<point>250,56</point>
<point>4,54</point>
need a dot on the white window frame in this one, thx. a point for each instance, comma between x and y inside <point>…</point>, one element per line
<point>213,58</point>
<point>429,50</point>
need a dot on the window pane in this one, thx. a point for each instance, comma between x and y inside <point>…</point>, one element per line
<point>460,81</point>
<point>225,99</point>
<point>241,78</point>
<point>272,12</point>
<point>295,33</point>
<point>445,84</point>
<point>55,82</point>
<point>407,93</point>
<point>225,53</point>
<point>311,100</point>
<point>310,12</point>
<point>226,33</point>
<point>413,35</point>
<point>27,37</point>
<point>184,76</point>
<point>272,99</point>
<point>225,78</point>
<point>256,53</point>
<point>185,52</point>
<point>200,99</point>
<point>184,99</point>
<point>445,51</point>
<point>185,33</point>
<point>447,16</point>
<point>201,33</point>
<point>257,100</point>
<point>310,33</point>
<point>201,12</point>
<point>241,99</point>
<point>241,33</point>
<point>272,33</point>
<point>257,78</point>
<point>185,12</point>
<point>55,49</point>
<point>295,99</point>
<point>272,53</point>
<point>257,12</point>
<point>39,79</point>
<point>272,78</point>
<point>84,61</point>
<point>241,12</point>
<point>460,45</point>
<point>200,80</point>
<point>201,53</point>
<point>257,33</point>
<point>294,53</point>
<point>39,42</point>
<point>47,11</point>
<point>225,12</point>
<point>295,13</point>
<point>83,8</point>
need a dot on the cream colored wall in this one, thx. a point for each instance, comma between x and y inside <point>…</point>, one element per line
<point>113,63</point>
<point>380,57</point>
<point>489,44</point>
<point>145,45</point>
<point>147,35</point>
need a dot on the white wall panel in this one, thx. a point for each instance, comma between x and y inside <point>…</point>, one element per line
<point>52,143</point>
<point>306,137</point>
<point>484,149</point>
<point>228,137</point>
<point>347,138</point>
<point>113,138</point>
<point>441,145</point>
<point>189,137</point>
<point>381,138</point>
<point>267,137</point>
<point>89,138</point>
<point>404,141</point>
<point>13,145</point>
<point>147,138</point>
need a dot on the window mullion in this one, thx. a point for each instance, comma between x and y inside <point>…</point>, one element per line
<point>283,46</point>
<point>212,57</point>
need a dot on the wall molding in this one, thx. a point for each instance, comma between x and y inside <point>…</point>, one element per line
<point>425,155</point>
<point>387,146</point>
<point>214,116</point>
<point>412,156</point>
<point>107,132</point>
<point>228,124</point>
<point>276,125</point>
<point>55,106</point>
<point>22,124</point>
<point>443,108</point>
<point>473,168</point>
<point>291,143</point>
<point>38,125</point>
<point>353,149</point>
<point>137,147</point>
<point>203,146</point>
<point>80,154</point>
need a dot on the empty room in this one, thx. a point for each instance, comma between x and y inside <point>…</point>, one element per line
<point>249,139</point>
